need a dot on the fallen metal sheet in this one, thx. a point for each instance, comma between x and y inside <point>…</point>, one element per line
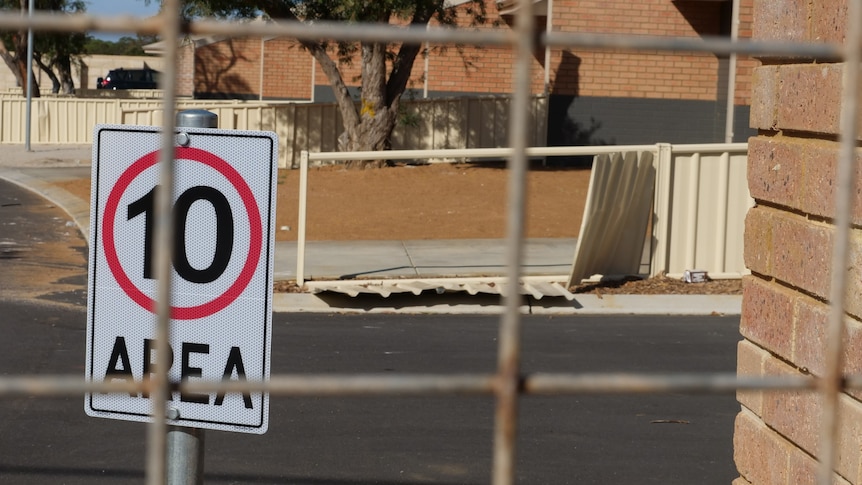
<point>535,286</point>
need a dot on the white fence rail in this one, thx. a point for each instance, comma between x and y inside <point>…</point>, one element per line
<point>699,204</point>
<point>478,122</point>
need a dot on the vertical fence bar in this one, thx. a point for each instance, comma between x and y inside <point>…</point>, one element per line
<point>832,382</point>
<point>662,205</point>
<point>721,205</point>
<point>300,223</point>
<point>505,429</point>
<point>29,85</point>
<point>693,208</point>
<point>731,74</point>
<point>185,446</point>
<point>164,236</point>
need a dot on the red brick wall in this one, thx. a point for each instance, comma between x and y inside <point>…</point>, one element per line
<point>483,70</point>
<point>480,70</point>
<point>639,74</point>
<point>605,73</point>
<point>788,244</point>
<point>231,66</point>
<point>288,73</point>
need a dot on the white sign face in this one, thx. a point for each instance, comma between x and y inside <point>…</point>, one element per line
<point>221,302</point>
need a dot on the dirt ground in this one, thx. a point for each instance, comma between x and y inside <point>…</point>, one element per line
<point>443,201</point>
<point>439,201</point>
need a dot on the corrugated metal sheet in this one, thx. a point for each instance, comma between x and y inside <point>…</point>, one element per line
<point>699,205</point>
<point>616,216</point>
<point>535,286</point>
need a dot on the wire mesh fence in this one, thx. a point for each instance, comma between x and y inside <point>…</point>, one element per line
<point>508,383</point>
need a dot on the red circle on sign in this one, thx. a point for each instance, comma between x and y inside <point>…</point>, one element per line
<point>256,234</point>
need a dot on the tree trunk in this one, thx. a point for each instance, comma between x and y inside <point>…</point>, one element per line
<point>19,40</point>
<point>367,126</point>
<point>12,64</point>
<point>55,81</point>
<point>64,72</point>
<point>376,117</point>
<point>370,135</point>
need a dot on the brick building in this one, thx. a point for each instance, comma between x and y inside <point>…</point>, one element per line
<point>596,96</point>
<point>789,238</point>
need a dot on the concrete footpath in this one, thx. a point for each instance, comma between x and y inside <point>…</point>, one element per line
<point>40,169</point>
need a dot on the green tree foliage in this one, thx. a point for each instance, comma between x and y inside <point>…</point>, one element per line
<point>385,69</point>
<point>13,48</point>
<point>56,53</point>
<point>125,46</point>
<point>53,53</point>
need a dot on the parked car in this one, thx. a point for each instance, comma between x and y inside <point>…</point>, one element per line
<point>129,79</point>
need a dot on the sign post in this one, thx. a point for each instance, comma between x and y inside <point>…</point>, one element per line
<point>185,446</point>
<point>221,278</point>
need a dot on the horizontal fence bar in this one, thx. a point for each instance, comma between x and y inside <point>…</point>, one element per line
<point>531,152</point>
<point>474,153</point>
<point>323,385</point>
<point>709,147</point>
<point>660,383</point>
<point>358,384</point>
<point>60,385</point>
<point>706,45</point>
<point>53,22</point>
<point>356,32</point>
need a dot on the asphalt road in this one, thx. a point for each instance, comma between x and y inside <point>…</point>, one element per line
<point>666,439</point>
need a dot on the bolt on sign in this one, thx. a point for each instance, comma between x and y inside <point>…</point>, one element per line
<point>221,301</point>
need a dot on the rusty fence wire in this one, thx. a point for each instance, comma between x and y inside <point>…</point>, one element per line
<point>508,383</point>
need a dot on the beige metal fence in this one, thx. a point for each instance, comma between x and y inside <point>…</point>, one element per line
<point>701,199</point>
<point>699,203</point>
<point>434,123</point>
<point>508,383</point>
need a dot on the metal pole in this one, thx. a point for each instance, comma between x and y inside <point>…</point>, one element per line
<point>509,346</point>
<point>262,68</point>
<point>185,462</point>
<point>29,78</point>
<point>549,29</point>
<point>833,379</point>
<point>731,76</point>
<point>303,210</point>
<point>157,431</point>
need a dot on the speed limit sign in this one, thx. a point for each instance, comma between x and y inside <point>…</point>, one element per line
<point>221,301</point>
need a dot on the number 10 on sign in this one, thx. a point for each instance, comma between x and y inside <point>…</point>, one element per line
<point>223,213</point>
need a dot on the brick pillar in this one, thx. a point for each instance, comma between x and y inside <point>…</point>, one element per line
<point>788,245</point>
<point>186,69</point>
